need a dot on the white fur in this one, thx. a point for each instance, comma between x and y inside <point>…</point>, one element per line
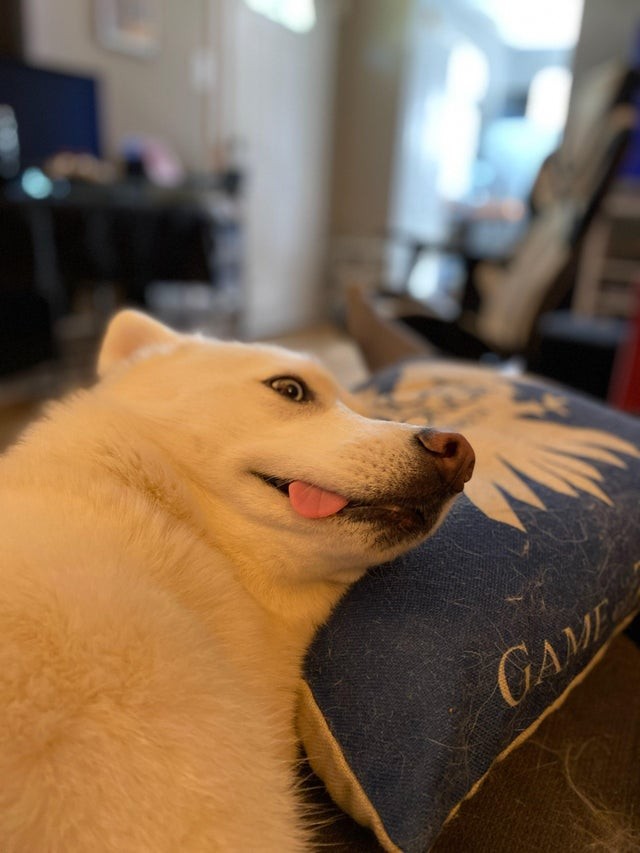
<point>156,598</point>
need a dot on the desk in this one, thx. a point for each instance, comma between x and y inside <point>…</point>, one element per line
<point>126,234</point>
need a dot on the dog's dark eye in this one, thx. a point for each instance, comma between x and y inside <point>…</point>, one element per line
<point>293,389</point>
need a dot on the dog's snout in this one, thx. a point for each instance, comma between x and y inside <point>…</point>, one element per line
<point>452,453</point>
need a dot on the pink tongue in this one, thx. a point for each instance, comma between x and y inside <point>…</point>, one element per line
<point>313,502</point>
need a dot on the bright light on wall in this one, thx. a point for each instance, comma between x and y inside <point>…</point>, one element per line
<point>296,15</point>
<point>548,101</point>
<point>539,25</point>
<point>467,73</point>
<point>458,125</point>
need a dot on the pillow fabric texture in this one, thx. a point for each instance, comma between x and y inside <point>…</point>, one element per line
<point>437,664</point>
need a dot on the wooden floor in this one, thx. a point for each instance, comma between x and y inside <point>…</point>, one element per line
<point>334,348</point>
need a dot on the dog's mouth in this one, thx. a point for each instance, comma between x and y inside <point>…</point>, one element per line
<point>313,502</point>
<point>308,500</point>
<point>407,506</point>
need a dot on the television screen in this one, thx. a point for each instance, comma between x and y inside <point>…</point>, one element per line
<point>55,111</point>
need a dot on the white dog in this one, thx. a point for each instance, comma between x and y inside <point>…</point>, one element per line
<point>170,541</point>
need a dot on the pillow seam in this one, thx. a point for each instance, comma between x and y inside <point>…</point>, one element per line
<point>334,770</point>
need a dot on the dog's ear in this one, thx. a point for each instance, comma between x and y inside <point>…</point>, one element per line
<point>127,333</point>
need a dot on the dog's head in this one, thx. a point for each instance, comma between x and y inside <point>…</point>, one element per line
<point>291,476</point>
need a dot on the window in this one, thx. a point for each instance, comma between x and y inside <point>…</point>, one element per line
<point>296,15</point>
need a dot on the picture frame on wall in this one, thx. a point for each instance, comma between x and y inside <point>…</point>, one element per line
<point>132,27</point>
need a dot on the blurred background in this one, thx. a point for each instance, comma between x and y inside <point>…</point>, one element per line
<point>238,165</point>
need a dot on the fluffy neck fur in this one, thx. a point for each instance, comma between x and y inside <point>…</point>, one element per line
<point>143,481</point>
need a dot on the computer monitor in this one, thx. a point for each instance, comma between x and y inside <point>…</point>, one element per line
<point>55,111</point>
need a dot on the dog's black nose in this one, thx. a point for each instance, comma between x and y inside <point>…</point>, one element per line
<point>452,453</point>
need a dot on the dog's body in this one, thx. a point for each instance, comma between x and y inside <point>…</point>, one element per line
<point>158,588</point>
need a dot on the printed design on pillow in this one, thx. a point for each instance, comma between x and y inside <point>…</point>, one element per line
<point>438,663</point>
<point>512,433</point>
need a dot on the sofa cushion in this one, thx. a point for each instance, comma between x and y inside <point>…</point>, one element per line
<point>439,663</point>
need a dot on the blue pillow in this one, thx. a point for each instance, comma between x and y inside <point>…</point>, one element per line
<point>437,664</point>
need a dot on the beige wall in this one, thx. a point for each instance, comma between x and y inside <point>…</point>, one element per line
<point>153,96</point>
<point>371,61</point>
<point>273,91</point>
<point>609,28</point>
<point>283,86</point>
